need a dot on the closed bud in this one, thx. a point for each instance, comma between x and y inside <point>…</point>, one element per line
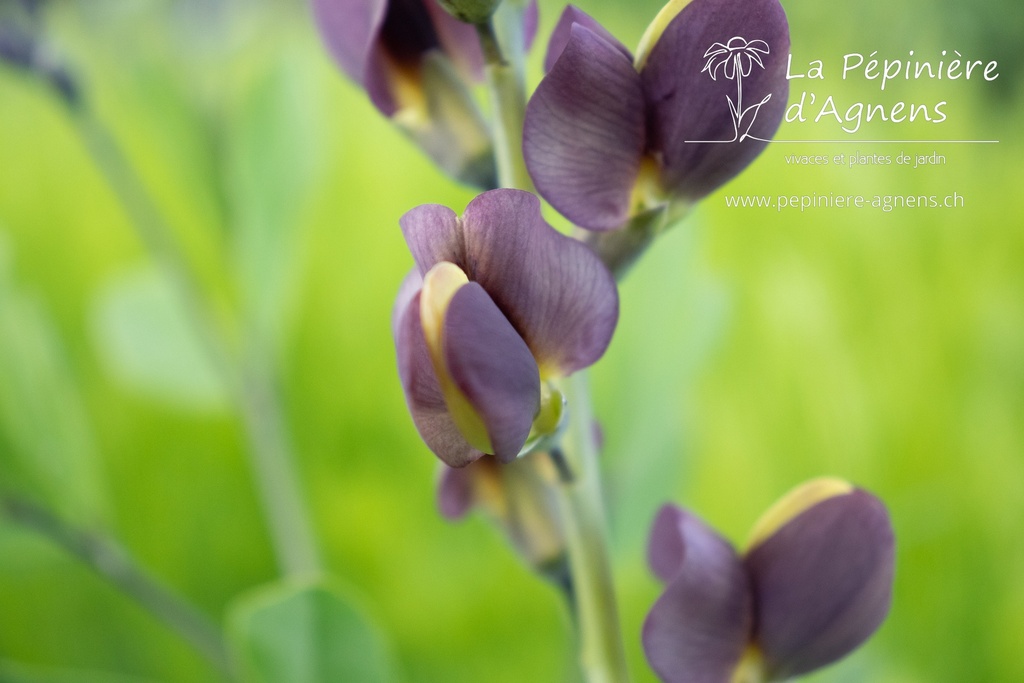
<point>519,499</point>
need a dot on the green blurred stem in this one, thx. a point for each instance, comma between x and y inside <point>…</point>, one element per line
<point>602,655</point>
<point>250,379</point>
<point>507,97</point>
<point>112,562</point>
<point>277,479</point>
<point>154,232</point>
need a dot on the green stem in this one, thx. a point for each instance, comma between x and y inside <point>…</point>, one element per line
<point>250,380</point>
<point>507,98</point>
<point>156,235</point>
<point>602,655</point>
<point>276,477</point>
<point>111,561</point>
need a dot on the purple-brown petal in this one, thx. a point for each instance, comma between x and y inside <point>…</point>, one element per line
<point>370,39</point>
<point>531,21</point>
<point>433,234</point>
<point>423,392</point>
<point>583,137</point>
<point>699,628</point>
<point>665,546</point>
<point>560,35</point>
<point>822,583</point>
<point>553,289</point>
<point>690,119</point>
<point>493,368</point>
<point>350,29</point>
<point>407,291</point>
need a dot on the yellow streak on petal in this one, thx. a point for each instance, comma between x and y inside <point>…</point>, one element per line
<point>655,29</point>
<point>489,487</point>
<point>647,190</point>
<point>439,286</point>
<point>793,503</point>
<point>751,667</point>
<point>406,83</point>
<point>548,370</point>
<point>549,415</point>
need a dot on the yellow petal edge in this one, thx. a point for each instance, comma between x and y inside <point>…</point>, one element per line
<point>751,668</point>
<point>793,503</point>
<point>439,286</point>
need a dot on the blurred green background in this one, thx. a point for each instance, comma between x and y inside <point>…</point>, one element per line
<point>755,350</point>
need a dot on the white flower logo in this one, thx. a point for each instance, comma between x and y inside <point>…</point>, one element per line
<point>735,59</point>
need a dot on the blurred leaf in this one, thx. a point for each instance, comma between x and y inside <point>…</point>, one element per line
<point>18,673</point>
<point>46,444</point>
<point>661,379</point>
<point>146,339</point>
<point>273,143</point>
<point>306,634</point>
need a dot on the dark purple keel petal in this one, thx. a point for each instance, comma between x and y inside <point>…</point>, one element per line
<point>493,368</point>
<point>377,81</point>
<point>822,583</point>
<point>560,35</point>
<point>687,105</point>
<point>433,234</point>
<point>423,393</point>
<point>583,138</point>
<point>553,289</point>
<point>352,31</point>
<point>699,628</point>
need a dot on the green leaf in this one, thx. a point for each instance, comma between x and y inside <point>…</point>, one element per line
<point>308,633</point>
<point>11,672</point>
<point>47,446</point>
<point>661,378</point>
<point>147,340</point>
<point>274,150</point>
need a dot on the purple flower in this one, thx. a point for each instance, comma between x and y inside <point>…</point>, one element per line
<point>608,136</point>
<point>413,59</point>
<point>814,583</point>
<point>416,61</point>
<point>382,45</point>
<point>499,304</point>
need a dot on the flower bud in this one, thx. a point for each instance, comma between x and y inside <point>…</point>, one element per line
<point>418,65</point>
<point>470,11</point>
<point>518,498</point>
